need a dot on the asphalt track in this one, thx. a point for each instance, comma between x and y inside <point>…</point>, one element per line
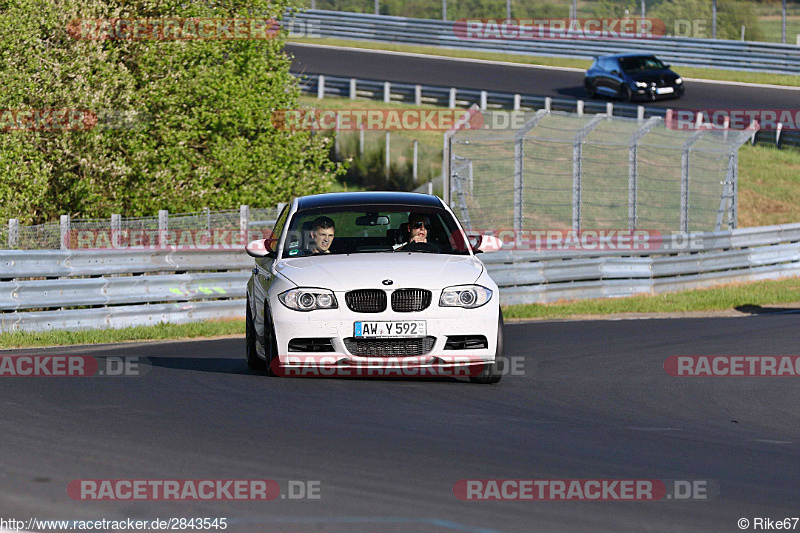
<point>591,401</point>
<point>557,83</point>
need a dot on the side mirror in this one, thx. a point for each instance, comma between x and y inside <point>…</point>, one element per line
<point>615,72</point>
<point>262,248</point>
<point>484,243</point>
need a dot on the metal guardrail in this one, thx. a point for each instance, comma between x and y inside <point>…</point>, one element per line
<point>682,262</point>
<point>417,94</point>
<point>97,289</point>
<point>724,54</point>
<point>113,289</point>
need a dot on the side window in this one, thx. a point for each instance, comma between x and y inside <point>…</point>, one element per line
<point>279,224</point>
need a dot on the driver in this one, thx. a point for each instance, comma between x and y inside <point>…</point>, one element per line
<point>418,227</point>
<point>322,234</point>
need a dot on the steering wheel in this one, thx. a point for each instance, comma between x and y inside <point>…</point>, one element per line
<point>420,247</point>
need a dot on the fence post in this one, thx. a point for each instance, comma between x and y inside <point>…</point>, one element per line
<point>336,137</point>
<point>417,94</point>
<point>116,230</point>
<point>685,150</point>
<point>452,103</point>
<point>609,109</point>
<point>414,167</point>
<point>13,233</point>
<point>484,97</point>
<point>163,226</point>
<point>388,160</point>
<point>387,92</point>
<point>65,223</point>
<point>321,87</point>
<point>577,167</point>
<point>352,88</point>
<point>778,134</point>
<point>517,102</point>
<point>640,113</point>
<point>361,139</point>
<point>633,171</point>
<point>244,223</point>
<point>580,108</point>
<point>548,103</point>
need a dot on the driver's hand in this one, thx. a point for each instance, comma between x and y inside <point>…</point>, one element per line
<point>418,238</point>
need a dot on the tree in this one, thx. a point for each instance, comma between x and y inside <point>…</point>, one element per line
<point>183,124</point>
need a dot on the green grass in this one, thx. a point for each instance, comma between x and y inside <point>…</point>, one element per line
<point>19,339</point>
<point>716,299</point>
<point>688,72</point>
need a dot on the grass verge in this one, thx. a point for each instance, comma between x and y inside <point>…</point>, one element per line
<point>215,328</point>
<point>687,72</point>
<point>744,296</point>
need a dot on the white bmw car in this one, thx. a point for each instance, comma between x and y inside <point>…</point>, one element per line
<point>373,283</point>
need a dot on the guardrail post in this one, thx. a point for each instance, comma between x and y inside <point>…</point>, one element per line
<point>484,97</point>
<point>163,226</point>
<point>452,103</point>
<point>361,139</point>
<point>548,103</point>
<point>388,160</point>
<point>116,230</point>
<point>414,159</point>
<point>13,233</point>
<point>609,109</point>
<point>517,102</point>
<point>640,113</point>
<point>65,223</point>
<point>352,88</point>
<point>321,87</point>
<point>580,108</point>
<point>387,92</point>
<point>778,134</point>
<point>417,94</point>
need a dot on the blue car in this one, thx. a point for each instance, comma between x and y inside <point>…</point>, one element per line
<point>632,77</point>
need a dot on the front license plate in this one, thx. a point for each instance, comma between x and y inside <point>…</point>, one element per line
<point>406,328</point>
<point>665,90</point>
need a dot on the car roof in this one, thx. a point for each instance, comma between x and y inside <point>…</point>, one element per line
<point>368,198</point>
<point>620,56</point>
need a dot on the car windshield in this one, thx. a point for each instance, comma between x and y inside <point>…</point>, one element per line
<point>633,64</point>
<point>372,229</point>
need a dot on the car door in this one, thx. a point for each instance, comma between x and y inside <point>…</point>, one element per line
<point>262,273</point>
<point>608,82</point>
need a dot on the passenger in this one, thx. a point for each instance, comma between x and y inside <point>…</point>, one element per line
<point>322,235</point>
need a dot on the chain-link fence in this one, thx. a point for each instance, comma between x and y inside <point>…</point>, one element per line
<point>68,232</point>
<point>566,171</point>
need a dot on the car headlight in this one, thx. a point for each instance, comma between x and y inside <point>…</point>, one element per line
<point>303,299</point>
<point>467,296</point>
<point>641,84</point>
<point>678,81</point>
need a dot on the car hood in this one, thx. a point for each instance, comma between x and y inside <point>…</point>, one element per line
<point>650,76</point>
<point>369,270</point>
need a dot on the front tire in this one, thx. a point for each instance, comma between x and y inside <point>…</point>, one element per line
<point>491,373</point>
<point>270,343</point>
<point>627,94</point>
<point>253,360</point>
